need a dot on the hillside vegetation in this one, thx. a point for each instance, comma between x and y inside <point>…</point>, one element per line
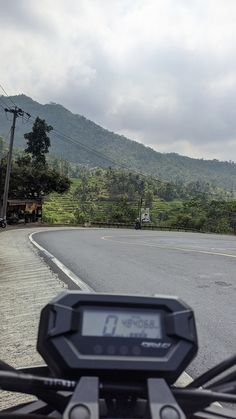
<point>116,196</point>
<point>84,136</point>
<point>109,196</point>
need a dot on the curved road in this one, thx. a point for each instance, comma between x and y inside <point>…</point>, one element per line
<point>199,268</point>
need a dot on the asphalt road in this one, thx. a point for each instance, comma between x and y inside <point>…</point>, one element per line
<point>199,268</point>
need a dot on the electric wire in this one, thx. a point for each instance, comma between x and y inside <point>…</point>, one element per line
<point>87,148</point>
<point>9,98</point>
<point>102,156</point>
<point>21,112</point>
<point>3,103</point>
<point>66,138</point>
<point>63,137</point>
<point>3,99</point>
<point>2,107</point>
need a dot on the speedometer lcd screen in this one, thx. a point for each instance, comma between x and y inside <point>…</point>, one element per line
<point>121,324</point>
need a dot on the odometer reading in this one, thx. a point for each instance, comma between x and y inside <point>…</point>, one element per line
<point>122,324</point>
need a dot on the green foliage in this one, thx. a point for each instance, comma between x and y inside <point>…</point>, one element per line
<point>122,212</point>
<point>30,180</point>
<point>206,215</point>
<point>38,142</point>
<point>31,177</point>
<point>114,196</point>
<point>171,167</point>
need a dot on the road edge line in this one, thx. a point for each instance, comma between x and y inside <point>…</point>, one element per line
<point>66,271</point>
<point>182,381</point>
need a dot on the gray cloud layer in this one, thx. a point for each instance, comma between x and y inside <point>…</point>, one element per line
<point>159,71</point>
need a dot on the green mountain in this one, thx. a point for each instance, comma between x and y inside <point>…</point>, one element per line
<point>80,140</point>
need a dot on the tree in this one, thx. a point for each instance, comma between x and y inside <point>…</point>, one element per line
<point>31,176</point>
<point>121,211</point>
<point>38,142</point>
<point>29,180</point>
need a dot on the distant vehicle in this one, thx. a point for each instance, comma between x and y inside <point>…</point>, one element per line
<point>3,223</point>
<point>137,225</point>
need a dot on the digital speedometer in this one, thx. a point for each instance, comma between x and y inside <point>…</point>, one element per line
<point>129,323</point>
<point>100,333</point>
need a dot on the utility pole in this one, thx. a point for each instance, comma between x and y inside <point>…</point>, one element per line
<point>140,211</point>
<point>16,112</point>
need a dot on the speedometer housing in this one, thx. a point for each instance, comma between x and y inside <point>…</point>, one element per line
<point>117,336</point>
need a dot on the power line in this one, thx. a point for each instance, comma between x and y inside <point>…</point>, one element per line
<point>79,143</point>
<point>64,137</point>
<point>2,107</point>
<point>90,149</point>
<point>103,156</point>
<point>87,148</point>
<point>7,95</point>
<point>4,103</point>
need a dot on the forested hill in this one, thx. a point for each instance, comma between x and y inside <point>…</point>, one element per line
<point>170,166</point>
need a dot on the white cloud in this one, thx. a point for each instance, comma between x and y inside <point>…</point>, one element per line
<point>160,71</point>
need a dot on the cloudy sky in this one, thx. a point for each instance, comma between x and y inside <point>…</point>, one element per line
<point>162,72</point>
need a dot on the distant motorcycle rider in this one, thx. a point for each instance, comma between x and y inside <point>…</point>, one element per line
<point>138,225</point>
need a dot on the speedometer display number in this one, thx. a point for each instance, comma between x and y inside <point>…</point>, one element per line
<point>110,325</point>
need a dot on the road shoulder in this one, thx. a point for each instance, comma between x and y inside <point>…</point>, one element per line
<point>27,284</point>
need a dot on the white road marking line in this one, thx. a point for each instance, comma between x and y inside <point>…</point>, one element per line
<point>168,247</point>
<point>73,277</point>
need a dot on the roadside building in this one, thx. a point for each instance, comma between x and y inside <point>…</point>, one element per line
<point>24,210</point>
